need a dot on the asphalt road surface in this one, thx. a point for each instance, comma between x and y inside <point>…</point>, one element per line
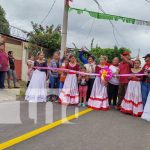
<point>96,130</point>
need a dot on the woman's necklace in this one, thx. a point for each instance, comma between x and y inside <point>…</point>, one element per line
<point>72,64</point>
<point>136,70</point>
<point>102,66</point>
<point>40,61</point>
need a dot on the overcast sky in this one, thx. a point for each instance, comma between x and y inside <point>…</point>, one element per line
<point>21,12</point>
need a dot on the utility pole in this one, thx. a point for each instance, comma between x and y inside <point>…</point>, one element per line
<point>139,53</point>
<point>64,30</point>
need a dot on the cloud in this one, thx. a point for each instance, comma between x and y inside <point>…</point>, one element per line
<point>82,28</point>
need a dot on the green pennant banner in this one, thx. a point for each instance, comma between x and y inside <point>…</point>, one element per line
<point>104,16</point>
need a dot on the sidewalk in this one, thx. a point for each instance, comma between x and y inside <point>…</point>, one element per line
<point>9,95</point>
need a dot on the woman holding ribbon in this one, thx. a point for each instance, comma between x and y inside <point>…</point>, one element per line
<point>99,98</point>
<point>69,93</point>
<point>37,91</point>
<point>132,102</point>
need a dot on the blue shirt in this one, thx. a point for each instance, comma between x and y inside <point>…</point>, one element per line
<point>82,58</point>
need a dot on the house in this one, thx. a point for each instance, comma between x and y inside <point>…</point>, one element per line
<point>20,54</point>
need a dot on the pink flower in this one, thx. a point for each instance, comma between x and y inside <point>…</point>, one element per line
<point>106,74</point>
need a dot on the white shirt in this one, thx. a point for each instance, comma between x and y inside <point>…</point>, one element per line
<point>114,80</point>
<point>90,68</point>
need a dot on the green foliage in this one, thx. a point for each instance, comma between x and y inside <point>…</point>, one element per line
<point>49,38</point>
<point>4,25</point>
<point>98,51</point>
<point>109,52</point>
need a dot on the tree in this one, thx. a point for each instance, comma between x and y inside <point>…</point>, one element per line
<point>49,38</point>
<point>4,25</point>
<point>109,52</point>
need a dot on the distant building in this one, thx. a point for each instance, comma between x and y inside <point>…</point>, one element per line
<point>20,53</point>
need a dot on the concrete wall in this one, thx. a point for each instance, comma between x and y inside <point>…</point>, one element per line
<point>24,76</point>
<point>20,55</point>
<point>17,50</point>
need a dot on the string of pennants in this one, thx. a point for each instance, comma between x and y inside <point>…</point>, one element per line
<point>104,16</point>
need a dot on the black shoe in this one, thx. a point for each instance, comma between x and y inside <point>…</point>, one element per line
<point>49,98</point>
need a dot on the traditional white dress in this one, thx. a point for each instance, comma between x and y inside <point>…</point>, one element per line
<point>99,98</point>
<point>146,113</point>
<point>132,102</point>
<point>37,91</point>
<point>70,94</point>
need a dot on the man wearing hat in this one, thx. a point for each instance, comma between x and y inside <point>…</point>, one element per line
<point>124,68</point>
<point>3,64</point>
<point>146,80</point>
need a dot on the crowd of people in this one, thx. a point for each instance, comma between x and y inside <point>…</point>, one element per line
<point>128,90</point>
<point>7,67</point>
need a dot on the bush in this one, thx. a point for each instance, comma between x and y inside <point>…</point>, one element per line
<point>109,52</point>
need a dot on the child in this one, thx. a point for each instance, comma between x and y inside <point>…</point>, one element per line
<point>146,114</point>
<point>132,102</point>
<point>37,91</point>
<point>83,87</point>
<point>99,98</point>
<point>113,85</point>
<point>63,74</point>
<point>69,93</point>
<point>30,64</point>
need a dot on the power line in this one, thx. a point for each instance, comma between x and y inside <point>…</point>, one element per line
<point>113,27</point>
<point>147,1</point>
<point>48,12</point>
<point>91,28</point>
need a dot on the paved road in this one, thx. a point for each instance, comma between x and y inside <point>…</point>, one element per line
<point>96,130</point>
<point>17,118</point>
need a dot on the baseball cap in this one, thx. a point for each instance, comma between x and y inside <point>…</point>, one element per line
<point>148,55</point>
<point>125,53</point>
